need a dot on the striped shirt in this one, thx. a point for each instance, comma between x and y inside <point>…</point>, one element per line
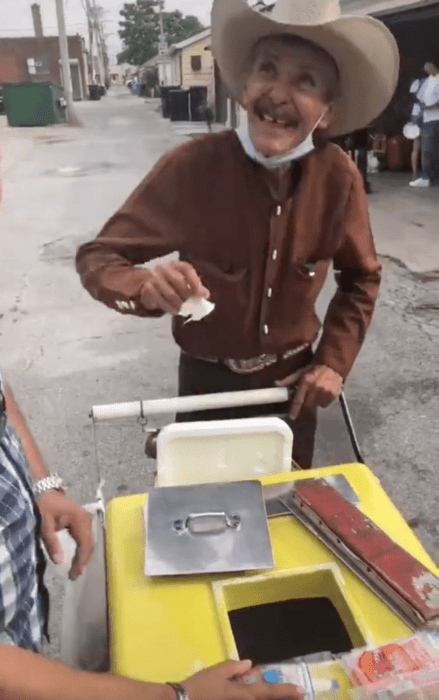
<point>23,597</point>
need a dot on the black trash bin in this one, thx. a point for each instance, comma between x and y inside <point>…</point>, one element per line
<point>166,104</point>
<point>179,105</point>
<point>94,92</point>
<point>198,102</point>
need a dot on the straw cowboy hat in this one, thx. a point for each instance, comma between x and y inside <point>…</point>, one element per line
<point>363,48</point>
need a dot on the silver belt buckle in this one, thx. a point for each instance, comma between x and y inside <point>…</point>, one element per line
<point>244,366</point>
<point>257,364</point>
<point>252,365</point>
<point>294,351</point>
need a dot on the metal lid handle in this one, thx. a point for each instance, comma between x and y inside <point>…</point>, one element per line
<point>207,523</point>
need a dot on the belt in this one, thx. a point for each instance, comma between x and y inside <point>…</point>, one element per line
<point>255,364</point>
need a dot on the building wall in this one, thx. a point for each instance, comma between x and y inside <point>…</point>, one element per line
<point>14,54</point>
<point>176,69</point>
<point>227,110</point>
<point>203,77</point>
<point>116,74</point>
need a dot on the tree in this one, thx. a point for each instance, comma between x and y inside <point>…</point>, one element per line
<point>140,30</point>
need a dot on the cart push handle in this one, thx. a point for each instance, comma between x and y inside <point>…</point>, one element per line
<point>181,404</point>
<point>205,402</point>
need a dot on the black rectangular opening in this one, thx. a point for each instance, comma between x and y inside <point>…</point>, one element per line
<point>277,632</point>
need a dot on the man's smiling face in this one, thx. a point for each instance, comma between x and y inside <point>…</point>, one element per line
<point>290,86</point>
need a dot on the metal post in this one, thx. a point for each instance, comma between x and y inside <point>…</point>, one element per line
<point>91,77</point>
<point>36,17</point>
<point>162,36</point>
<point>161,3</point>
<point>100,57</point>
<point>64,52</point>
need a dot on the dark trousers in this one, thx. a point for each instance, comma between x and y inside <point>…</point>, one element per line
<point>430,150</point>
<point>201,377</point>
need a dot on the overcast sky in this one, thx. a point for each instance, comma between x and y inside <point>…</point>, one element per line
<point>16,17</point>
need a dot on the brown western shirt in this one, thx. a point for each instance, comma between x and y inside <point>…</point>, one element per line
<point>212,204</point>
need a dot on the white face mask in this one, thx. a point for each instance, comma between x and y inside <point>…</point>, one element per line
<point>273,162</point>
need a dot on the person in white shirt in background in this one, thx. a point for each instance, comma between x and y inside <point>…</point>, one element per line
<point>416,120</point>
<point>428,97</point>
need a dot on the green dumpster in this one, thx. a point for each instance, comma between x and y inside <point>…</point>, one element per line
<point>34,104</point>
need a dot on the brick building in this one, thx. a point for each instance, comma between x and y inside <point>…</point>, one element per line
<point>37,59</point>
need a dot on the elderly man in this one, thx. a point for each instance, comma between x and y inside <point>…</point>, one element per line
<point>258,215</point>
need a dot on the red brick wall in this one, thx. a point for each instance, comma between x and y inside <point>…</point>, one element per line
<point>15,52</point>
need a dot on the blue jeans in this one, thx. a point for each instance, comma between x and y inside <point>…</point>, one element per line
<point>430,150</point>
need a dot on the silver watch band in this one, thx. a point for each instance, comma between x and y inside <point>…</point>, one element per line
<point>49,483</point>
<point>180,691</point>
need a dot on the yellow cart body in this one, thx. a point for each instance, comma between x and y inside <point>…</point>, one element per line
<point>165,629</point>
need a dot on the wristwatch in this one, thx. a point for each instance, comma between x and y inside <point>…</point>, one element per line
<point>180,691</point>
<point>53,482</point>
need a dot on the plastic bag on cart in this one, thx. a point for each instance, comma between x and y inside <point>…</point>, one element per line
<point>84,626</point>
<point>407,669</point>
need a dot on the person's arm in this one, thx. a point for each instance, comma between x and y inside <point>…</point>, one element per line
<point>148,226</point>
<point>416,114</point>
<point>28,444</point>
<point>349,313</point>
<point>56,509</point>
<point>358,274</point>
<point>27,676</point>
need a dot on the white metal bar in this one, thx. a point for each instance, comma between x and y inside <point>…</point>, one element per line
<point>180,404</point>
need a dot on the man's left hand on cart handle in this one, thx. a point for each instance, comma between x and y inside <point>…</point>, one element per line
<point>314,386</point>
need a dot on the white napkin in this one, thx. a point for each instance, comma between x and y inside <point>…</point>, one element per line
<point>196,308</point>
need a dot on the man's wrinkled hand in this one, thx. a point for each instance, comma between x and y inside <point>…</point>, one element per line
<point>169,285</point>
<point>58,512</point>
<point>222,682</point>
<point>314,386</point>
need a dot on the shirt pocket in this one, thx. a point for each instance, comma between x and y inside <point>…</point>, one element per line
<point>222,273</point>
<point>307,278</point>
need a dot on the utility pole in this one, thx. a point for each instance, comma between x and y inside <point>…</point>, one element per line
<point>99,40</point>
<point>162,47</point>
<point>102,44</point>
<point>65,63</point>
<point>162,37</point>
<point>36,17</point>
<point>90,41</point>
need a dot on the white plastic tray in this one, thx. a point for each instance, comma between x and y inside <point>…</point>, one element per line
<point>215,451</point>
